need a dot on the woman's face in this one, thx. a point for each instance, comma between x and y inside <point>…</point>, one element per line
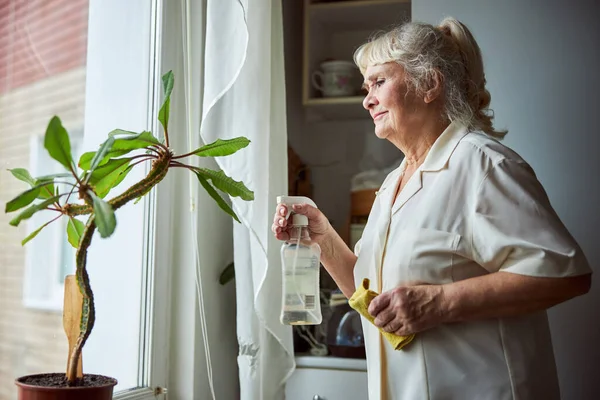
<point>392,107</point>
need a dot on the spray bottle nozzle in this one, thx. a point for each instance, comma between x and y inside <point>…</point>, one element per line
<point>289,201</point>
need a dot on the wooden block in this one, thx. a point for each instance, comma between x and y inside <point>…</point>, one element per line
<point>71,316</point>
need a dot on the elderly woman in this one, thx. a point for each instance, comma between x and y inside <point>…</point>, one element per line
<point>462,242</point>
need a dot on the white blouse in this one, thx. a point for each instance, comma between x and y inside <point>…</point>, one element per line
<point>472,208</point>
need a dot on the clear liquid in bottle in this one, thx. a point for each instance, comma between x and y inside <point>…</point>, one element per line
<point>301,263</point>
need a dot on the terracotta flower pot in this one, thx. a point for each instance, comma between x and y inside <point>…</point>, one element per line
<point>53,387</point>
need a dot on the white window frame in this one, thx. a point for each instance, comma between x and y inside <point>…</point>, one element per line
<point>161,349</point>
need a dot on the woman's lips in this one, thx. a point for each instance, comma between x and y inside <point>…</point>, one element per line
<point>378,115</point>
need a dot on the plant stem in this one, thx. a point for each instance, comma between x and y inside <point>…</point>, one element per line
<point>191,153</point>
<point>88,312</point>
<point>159,170</point>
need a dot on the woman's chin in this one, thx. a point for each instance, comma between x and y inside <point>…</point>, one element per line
<point>381,133</point>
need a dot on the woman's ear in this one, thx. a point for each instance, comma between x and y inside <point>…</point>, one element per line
<point>435,89</point>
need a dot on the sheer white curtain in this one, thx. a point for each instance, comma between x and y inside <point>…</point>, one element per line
<point>234,74</point>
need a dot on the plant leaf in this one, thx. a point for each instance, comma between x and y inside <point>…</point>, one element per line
<point>168,80</point>
<point>227,184</point>
<point>101,153</point>
<point>120,147</point>
<point>221,147</point>
<point>23,175</point>
<point>85,161</point>
<point>22,200</point>
<point>106,177</point>
<point>104,216</point>
<point>35,233</point>
<point>58,144</point>
<point>163,114</point>
<point>213,193</point>
<point>131,134</point>
<point>227,274</point>
<point>48,190</point>
<point>29,211</point>
<point>75,230</point>
<point>145,135</point>
<point>50,177</point>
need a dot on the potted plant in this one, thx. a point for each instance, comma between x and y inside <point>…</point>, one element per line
<point>93,178</point>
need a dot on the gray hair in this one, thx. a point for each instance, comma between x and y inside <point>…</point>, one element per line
<point>448,51</point>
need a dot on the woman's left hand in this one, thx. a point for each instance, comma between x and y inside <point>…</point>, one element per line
<point>405,310</point>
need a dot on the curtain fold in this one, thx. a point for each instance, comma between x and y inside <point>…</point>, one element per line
<point>241,76</point>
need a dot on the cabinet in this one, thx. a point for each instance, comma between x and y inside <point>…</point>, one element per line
<point>329,136</point>
<point>323,379</point>
<point>334,30</point>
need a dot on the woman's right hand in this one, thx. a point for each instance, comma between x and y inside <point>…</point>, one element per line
<point>318,224</point>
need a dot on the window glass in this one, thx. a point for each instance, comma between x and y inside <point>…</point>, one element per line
<point>53,63</point>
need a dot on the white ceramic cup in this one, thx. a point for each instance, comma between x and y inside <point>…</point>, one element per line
<point>338,78</point>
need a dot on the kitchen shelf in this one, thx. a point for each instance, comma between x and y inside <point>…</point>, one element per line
<point>333,31</point>
<point>332,108</point>
<point>360,15</point>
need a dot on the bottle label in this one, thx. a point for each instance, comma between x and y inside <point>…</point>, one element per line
<point>300,301</point>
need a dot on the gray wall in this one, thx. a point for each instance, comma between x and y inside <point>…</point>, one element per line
<point>542,66</point>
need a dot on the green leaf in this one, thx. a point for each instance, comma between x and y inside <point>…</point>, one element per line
<point>29,211</point>
<point>120,147</point>
<point>101,153</point>
<point>130,134</point>
<point>226,184</point>
<point>122,176</point>
<point>222,147</point>
<point>85,161</point>
<point>227,274</point>
<point>168,80</point>
<point>48,190</point>
<point>104,216</point>
<point>106,177</point>
<point>23,175</point>
<point>163,115</point>
<point>75,230</point>
<point>22,200</point>
<point>57,143</point>
<point>213,193</point>
<point>35,233</point>
<point>145,136</point>
<point>51,177</point>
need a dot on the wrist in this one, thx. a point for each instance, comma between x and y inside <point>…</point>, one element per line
<point>447,307</point>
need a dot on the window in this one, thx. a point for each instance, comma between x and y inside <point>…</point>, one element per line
<point>50,257</point>
<point>91,63</point>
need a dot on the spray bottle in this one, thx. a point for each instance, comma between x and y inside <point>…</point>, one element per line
<point>300,261</point>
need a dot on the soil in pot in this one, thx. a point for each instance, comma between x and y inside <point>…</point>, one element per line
<point>54,387</point>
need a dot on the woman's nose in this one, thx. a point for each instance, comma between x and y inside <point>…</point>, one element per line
<point>369,101</point>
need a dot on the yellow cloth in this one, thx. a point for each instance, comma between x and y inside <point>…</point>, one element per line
<point>360,301</point>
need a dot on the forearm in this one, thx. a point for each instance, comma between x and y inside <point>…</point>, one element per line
<point>339,261</point>
<point>505,294</point>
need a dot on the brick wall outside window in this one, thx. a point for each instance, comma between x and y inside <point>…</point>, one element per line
<point>42,73</point>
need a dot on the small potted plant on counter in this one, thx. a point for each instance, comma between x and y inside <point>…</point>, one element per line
<point>91,181</point>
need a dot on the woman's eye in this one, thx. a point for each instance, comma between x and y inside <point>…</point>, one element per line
<point>379,82</point>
